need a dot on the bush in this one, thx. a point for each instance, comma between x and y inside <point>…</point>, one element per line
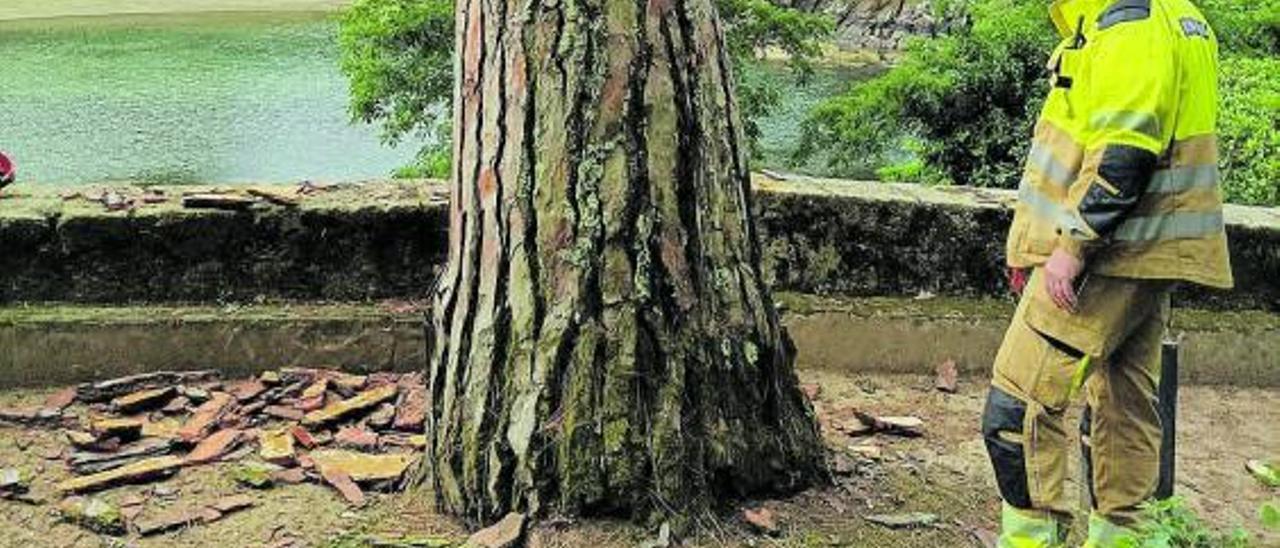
<point>1250,130</point>
<point>398,58</point>
<point>1245,27</point>
<point>960,107</point>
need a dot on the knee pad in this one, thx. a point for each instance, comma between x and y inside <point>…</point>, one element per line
<point>1002,431</point>
<point>1086,454</point>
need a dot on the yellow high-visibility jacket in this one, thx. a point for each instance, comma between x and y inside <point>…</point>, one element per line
<point>1123,170</point>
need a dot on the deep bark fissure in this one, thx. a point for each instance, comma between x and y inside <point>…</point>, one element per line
<point>496,472</point>
<point>686,158</point>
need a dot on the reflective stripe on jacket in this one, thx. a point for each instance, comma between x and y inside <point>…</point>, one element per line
<point>1123,169</point>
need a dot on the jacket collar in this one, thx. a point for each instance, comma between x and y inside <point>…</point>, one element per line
<point>1067,14</point>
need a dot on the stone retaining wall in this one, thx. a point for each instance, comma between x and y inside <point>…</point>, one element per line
<point>383,240</point>
<point>859,238</point>
<point>352,243</point>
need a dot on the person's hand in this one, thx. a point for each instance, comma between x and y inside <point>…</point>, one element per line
<point>1060,274</point>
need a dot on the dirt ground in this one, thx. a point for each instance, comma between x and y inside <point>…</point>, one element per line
<point>944,472</point>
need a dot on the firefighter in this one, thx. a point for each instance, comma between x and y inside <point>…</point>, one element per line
<point>1119,201</point>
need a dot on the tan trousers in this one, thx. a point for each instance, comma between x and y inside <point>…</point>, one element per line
<point>1120,324</point>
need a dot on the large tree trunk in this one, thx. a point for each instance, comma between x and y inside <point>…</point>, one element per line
<point>602,339</point>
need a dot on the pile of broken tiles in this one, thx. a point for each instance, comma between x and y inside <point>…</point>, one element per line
<point>352,432</point>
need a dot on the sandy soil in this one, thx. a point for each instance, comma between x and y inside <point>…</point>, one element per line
<point>944,472</point>
<point>1220,428</point>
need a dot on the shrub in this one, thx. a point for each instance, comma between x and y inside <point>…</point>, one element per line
<point>1245,27</point>
<point>1250,130</point>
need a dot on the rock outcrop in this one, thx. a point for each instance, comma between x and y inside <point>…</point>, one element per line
<point>876,24</point>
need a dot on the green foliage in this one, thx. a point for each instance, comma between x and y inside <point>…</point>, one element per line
<point>1269,514</point>
<point>433,162</point>
<point>969,98</point>
<point>914,168</point>
<point>1250,130</point>
<point>1171,524</point>
<point>1246,27</point>
<point>398,57</point>
<point>966,102</point>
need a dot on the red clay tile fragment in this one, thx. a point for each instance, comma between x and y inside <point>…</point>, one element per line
<point>124,429</point>
<point>177,405</point>
<point>143,400</point>
<point>276,447</point>
<point>948,377</point>
<point>60,400</point>
<point>132,473</point>
<point>762,520</point>
<point>204,418</point>
<point>358,438</point>
<point>411,411</point>
<point>360,402</point>
<point>289,476</point>
<point>284,412</point>
<point>176,519</point>
<point>306,462</point>
<point>342,482</point>
<point>247,390</point>
<point>233,503</point>
<point>303,437</point>
<point>312,397</point>
<point>214,446</point>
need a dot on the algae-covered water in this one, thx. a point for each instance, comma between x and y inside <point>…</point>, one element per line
<point>211,97</point>
<point>90,95</point>
<point>780,131</point>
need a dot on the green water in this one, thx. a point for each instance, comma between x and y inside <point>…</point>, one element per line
<point>781,130</point>
<point>225,97</point>
<point>182,98</point>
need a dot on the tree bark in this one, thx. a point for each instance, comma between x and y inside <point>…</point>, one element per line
<point>602,339</point>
